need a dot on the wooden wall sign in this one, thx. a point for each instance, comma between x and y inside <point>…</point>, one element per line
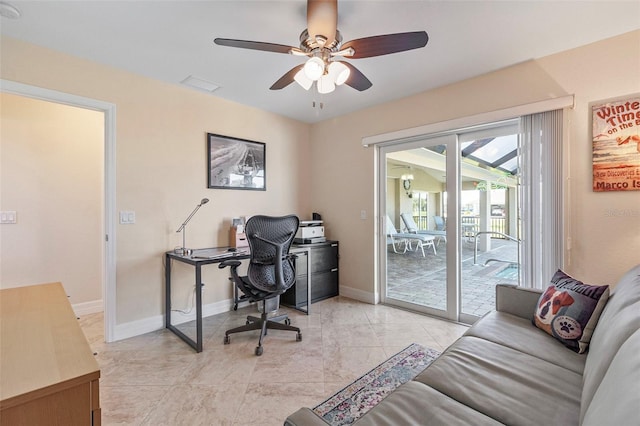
<point>616,145</point>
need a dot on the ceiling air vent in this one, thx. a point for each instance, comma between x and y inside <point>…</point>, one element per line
<point>200,84</point>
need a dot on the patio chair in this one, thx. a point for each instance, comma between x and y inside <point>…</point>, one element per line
<point>394,237</point>
<point>412,228</point>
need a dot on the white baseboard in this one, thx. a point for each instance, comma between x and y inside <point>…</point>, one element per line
<point>207,310</point>
<point>86,308</point>
<point>138,327</point>
<point>363,296</point>
<point>147,325</point>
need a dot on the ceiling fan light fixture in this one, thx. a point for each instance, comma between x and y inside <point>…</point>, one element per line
<point>407,177</point>
<point>339,72</point>
<point>314,68</point>
<point>326,84</point>
<point>302,79</point>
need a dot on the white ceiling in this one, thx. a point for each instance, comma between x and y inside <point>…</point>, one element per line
<point>171,40</point>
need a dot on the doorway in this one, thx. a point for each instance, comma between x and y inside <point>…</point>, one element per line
<point>106,235</point>
<point>452,202</point>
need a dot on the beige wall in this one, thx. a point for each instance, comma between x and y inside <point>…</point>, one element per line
<point>603,246</point>
<point>161,169</point>
<point>51,173</point>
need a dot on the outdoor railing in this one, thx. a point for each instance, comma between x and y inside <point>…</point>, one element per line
<point>498,223</point>
<point>502,235</point>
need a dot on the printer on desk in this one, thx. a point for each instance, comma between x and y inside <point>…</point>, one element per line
<point>310,231</point>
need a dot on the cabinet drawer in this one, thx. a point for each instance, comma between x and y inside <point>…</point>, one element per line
<point>324,258</point>
<point>324,285</point>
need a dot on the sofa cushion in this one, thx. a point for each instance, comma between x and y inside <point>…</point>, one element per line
<point>619,320</point>
<point>569,310</point>
<point>517,333</point>
<point>505,384</point>
<point>415,403</point>
<point>518,301</point>
<point>617,399</point>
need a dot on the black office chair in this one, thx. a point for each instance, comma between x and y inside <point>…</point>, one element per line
<point>270,273</point>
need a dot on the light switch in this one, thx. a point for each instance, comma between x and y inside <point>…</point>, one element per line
<point>8,217</point>
<point>363,214</point>
<point>127,217</point>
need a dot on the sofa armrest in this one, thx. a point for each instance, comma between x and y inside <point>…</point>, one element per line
<point>304,417</point>
<point>516,300</point>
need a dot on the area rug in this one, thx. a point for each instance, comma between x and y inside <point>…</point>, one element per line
<point>352,402</point>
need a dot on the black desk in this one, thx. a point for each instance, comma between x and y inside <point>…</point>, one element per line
<point>197,263</point>
<point>198,259</point>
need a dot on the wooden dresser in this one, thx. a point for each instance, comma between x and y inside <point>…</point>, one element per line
<point>48,374</point>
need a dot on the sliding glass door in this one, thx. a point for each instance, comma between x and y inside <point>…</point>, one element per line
<point>451,224</point>
<point>490,241</point>
<point>420,260</point>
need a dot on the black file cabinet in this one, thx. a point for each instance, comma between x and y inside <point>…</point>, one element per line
<point>324,275</point>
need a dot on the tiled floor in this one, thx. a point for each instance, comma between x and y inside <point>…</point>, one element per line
<point>156,379</point>
<point>421,280</point>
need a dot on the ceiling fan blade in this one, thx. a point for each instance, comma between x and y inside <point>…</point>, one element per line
<point>254,45</point>
<point>356,79</point>
<point>286,79</point>
<point>322,20</point>
<point>385,44</point>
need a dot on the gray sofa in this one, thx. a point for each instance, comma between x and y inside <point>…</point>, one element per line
<point>504,370</point>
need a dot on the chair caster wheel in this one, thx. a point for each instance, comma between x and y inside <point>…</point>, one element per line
<point>235,307</point>
<point>227,340</point>
<point>258,350</point>
<point>248,322</point>
<point>287,321</point>
<point>299,337</point>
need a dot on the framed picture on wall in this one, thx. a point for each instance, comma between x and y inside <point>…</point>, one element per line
<point>616,144</point>
<point>235,163</point>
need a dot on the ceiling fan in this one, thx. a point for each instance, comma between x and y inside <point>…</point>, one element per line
<point>322,43</point>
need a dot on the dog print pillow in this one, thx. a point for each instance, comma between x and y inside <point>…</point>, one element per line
<point>569,310</point>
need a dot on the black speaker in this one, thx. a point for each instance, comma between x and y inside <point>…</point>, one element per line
<point>316,216</point>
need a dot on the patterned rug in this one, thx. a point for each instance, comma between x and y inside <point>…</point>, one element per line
<point>352,402</point>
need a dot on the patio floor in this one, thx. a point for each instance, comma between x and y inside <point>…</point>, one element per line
<point>421,280</point>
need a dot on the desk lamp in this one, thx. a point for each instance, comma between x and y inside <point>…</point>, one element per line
<point>184,251</point>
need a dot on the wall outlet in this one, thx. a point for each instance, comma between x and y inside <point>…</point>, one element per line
<point>8,217</point>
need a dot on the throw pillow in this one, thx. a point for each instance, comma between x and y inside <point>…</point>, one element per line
<point>569,310</point>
